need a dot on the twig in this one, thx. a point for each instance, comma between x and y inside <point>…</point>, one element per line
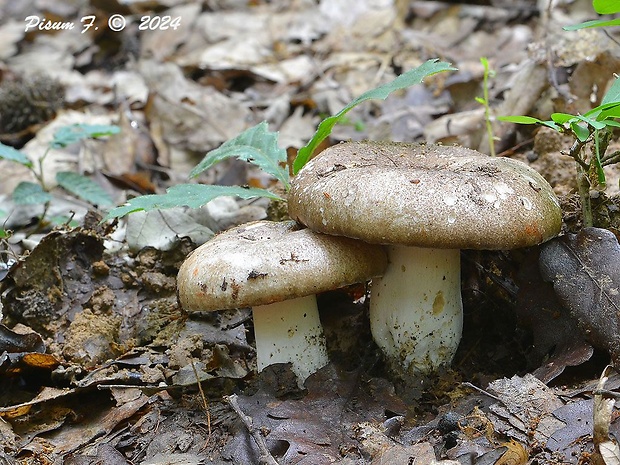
<point>265,456</point>
<point>575,152</point>
<point>482,391</point>
<point>583,182</point>
<point>607,393</point>
<point>611,158</point>
<point>205,403</point>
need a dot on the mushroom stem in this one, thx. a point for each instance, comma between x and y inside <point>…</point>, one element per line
<point>290,331</point>
<point>416,311</point>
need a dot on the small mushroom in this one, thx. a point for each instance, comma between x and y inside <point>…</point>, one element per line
<point>277,268</point>
<point>425,202</point>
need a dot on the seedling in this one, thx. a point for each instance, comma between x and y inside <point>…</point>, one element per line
<point>30,193</point>
<point>484,101</point>
<point>595,127</point>
<point>602,7</point>
<point>259,146</point>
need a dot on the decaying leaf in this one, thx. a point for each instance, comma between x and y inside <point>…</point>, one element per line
<point>313,427</point>
<point>514,455</point>
<point>12,342</point>
<point>163,229</point>
<point>191,117</point>
<point>585,271</point>
<point>553,329</point>
<point>606,450</point>
<point>526,410</point>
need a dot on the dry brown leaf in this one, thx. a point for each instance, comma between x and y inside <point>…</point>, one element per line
<point>527,410</point>
<point>606,450</point>
<point>191,117</point>
<point>515,455</point>
<point>584,270</point>
<point>47,394</point>
<point>11,33</point>
<point>162,44</point>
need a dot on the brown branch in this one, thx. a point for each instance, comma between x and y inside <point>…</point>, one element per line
<point>265,457</point>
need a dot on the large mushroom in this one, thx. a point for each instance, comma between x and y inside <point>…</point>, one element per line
<point>426,202</point>
<point>277,268</point>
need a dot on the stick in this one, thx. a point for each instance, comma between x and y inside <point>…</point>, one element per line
<point>265,456</point>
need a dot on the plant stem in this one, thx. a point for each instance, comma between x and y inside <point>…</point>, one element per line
<point>40,175</point>
<point>583,182</point>
<point>487,108</point>
<point>575,154</point>
<point>611,159</point>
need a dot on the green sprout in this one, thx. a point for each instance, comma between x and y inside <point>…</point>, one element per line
<point>602,7</point>
<point>484,101</point>
<point>37,193</point>
<point>595,127</point>
<point>259,146</point>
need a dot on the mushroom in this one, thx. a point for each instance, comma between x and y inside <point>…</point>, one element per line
<point>425,202</point>
<point>277,268</point>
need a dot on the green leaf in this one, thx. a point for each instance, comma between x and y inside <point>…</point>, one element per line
<point>606,7</point>
<point>520,119</point>
<point>609,122</point>
<point>562,118</point>
<point>83,187</point>
<point>580,132</point>
<point>67,135</point>
<point>593,23</point>
<point>602,111</point>
<point>609,111</point>
<point>592,122</point>
<point>255,145</point>
<point>529,120</point>
<point>30,193</point>
<point>9,153</point>
<point>480,100</point>
<point>414,76</point>
<point>190,195</point>
<point>613,94</point>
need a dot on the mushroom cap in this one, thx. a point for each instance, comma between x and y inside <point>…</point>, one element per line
<point>263,262</point>
<point>424,195</point>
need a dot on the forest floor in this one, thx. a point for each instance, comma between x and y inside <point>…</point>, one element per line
<point>99,364</point>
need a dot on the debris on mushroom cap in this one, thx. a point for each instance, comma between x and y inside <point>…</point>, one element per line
<point>424,195</point>
<point>264,262</point>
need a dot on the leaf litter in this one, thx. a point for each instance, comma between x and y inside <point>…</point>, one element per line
<point>98,363</point>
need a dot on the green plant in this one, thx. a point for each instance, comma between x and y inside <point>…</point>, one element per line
<point>80,186</point>
<point>260,147</point>
<point>484,101</point>
<point>595,127</point>
<point>602,7</point>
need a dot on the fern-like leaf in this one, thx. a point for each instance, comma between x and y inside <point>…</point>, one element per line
<point>83,188</point>
<point>255,145</point>
<point>411,77</point>
<point>189,195</point>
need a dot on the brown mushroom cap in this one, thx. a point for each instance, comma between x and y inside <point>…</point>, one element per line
<point>264,262</point>
<point>425,196</point>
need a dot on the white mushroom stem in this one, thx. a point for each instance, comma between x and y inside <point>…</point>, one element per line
<point>416,311</point>
<point>290,331</point>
